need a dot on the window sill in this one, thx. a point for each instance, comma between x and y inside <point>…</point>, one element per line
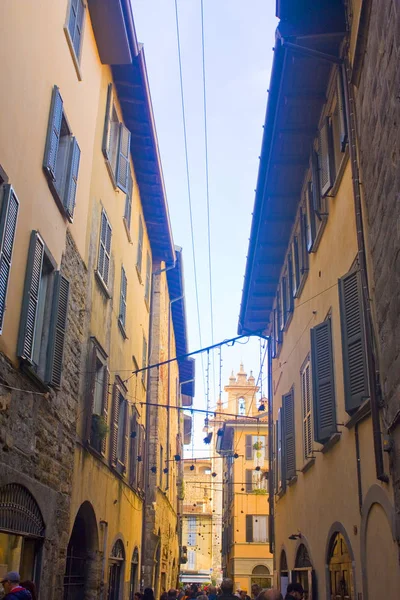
<point>102,285</point>
<point>303,279</point>
<point>288,321</point>
<point>363,412</point>
<point>27,368</point>
<point>122,329</point>
<point>331,442</point>
<point>147,304</point>
<point>292,480</point>
<point>128,233</point>
<point>339,175</point>
<point>75,59</point>
<point>318,235</point>
<point>307,465</point>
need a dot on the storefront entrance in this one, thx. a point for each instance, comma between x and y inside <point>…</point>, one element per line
<point>21,532</point>
<point>261,576</point>
<point>340,570</point>
<point>303,572</point>
<point>115,570</point>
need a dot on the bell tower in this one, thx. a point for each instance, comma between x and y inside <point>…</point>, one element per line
<point>241,392</point>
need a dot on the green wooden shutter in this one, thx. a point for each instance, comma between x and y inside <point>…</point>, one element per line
<point>249,481</point>
<point>147,283</point>
<point>316,186</point>
<point>325,155</point>
<point>106,393</point>
<point>311,229</point>
<point>341,110</point>
<point>31,297</point>
<point>281,452</point>
<point>323,382</point>
<point>114,425</point>
<point>72,179</point>
<point>133,450</point>
<point>296,265</point>
<point>8,226</point>
<point>140,246</point>
<point>89,400</point>
<point>58,329</point>
<point>106,144</point>
<point>289,434</point>
<point>123,296</point>
<point>353,341</point>
<point>122,175</point>
<point>249,528</point>
<point>124,452</point>
<point>53,134</point>
<point>249,447</point>
<point>128,200</point>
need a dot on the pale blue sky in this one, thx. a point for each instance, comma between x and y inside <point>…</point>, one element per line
<point>239,36</point>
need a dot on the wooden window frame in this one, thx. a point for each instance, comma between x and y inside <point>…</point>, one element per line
<point>76,56</point>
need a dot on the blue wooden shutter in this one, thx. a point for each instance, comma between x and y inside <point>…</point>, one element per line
<point>325,155</point>
<point>122,301</point>
<point>355,370</point>
<point>140,246</point>
<point>8,225</point>
<point>72,179</point>
<point>122,175</point>
<point>289,434</point>
<point>281,452</point>
<point>323,382</point>
<point>341,110</point>
<point>106,144</point>
<point>53,134</point>
<point>75,24</point>
<point>31,297</point>
<point>103,265</point>
<point>58,329</point>
<point>128,200</point>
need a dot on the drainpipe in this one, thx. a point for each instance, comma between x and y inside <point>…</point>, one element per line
<point>103,562</point>
<point>148,410</point>
<point>367,318</point>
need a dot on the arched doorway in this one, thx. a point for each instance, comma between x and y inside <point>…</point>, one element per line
<point>303,571</point>
<point>134,573</point>
<point>283,573</point>
<point>261,576</point>
<point>115,570</point>
<point>340,569</point>
<point>81,574</point>
<point>21,531</point>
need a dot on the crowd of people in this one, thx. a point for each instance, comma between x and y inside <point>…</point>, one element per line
<point>15,589</point>
<point>224,592</point>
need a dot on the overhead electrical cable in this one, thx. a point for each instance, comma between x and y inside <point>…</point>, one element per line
<point>188,185</point>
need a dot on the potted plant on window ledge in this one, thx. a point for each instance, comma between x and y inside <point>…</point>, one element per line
<point>99,430</point>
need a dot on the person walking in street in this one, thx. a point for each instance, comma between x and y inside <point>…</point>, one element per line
<point>255,590</point>
<point>148,594</point>
<point>227,590</point>
<point>31,587</point>
<point>212,592</point>
<point>270,594</point>
<point>294,591</point>
<point>13,589</point>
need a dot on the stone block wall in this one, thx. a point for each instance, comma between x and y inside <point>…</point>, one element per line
<point>378,122</point>
<point>37,432</point>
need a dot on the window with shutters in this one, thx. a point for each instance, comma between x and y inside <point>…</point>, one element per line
<point>256,481</point>
<point>288,434</point>
<point>44,314</point>
<point>326,161</point>
<point>280,453</point>
<point>104,257</point>
<point>8,225</point>
<point>306,403</point>
<point>144,360</point>
<point>116,146</point>
<point>192,531</point>
<point>283,302</point>
<point>147,285</point>
<point>74,30</point>
<point>122,302</point>
<point>355,370</point>
<point>119,428</point>
<point>289,287</point>
<point>61,158</point>
<point>257,529</point>
<point>323,385</point>
<point>296,265</point>
<point>139,255</point>
<point>128,206</point>
<point>133,448</point>
<point>98,393</point>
